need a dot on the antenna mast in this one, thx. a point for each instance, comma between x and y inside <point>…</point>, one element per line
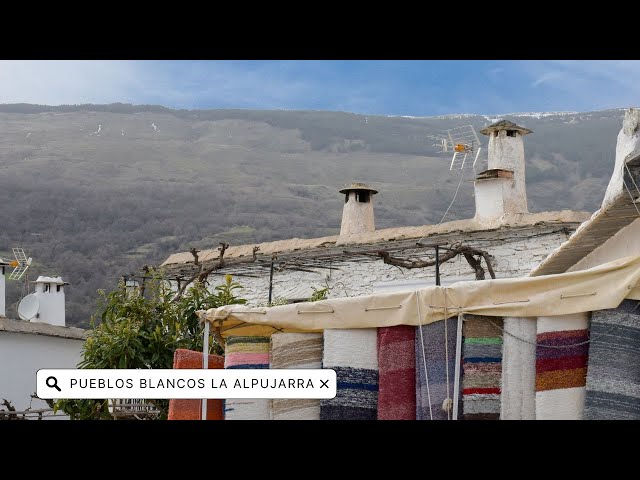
<point>463,143</point>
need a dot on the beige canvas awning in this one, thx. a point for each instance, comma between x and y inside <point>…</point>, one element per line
<point>598,288</point>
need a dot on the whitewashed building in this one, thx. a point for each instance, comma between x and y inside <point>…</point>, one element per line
<point>39,340</point>
<point>502,232</point>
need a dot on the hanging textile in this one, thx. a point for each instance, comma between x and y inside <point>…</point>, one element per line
<point>613,376</point>
<point>397,373</point>
<point>561,366</point>
<point>186,409</point>
<point>247,352</point>
<point>482,367</point>
<point>518,386</point>
<point>299,351</point>
<point>353,355</point>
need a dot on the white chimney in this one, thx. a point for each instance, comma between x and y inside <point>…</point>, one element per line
<point>501,189</point>
<point>357,214</point>
<point>3,271</point>
<point>50,295</point>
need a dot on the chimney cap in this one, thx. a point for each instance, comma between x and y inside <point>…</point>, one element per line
<point>358,186</point>
<point>54,280</point>
<point>504,125</point>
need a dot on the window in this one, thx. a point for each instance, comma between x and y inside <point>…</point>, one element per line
<point>58,288</point>
<point>512,133</point>
<point>46,287</point>
<point>346,197</point>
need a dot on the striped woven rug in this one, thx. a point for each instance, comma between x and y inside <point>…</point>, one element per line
<point>561,366</point>
<point>247,352</point>
<point>296,350</point>
<point>397,373</point>
<point>183,409</point>
<point>482,367</point>
<point>613,377</point>
<point>352,353</point>
<point>437,357</point>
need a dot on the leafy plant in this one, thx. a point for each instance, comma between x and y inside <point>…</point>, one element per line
<point>278,301</point>
<point>319,294</point>
<point>144,330</point>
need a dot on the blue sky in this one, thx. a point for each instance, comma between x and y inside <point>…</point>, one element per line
<point>415,88</point>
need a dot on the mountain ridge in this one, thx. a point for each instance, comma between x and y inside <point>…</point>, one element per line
<point>96,191</point>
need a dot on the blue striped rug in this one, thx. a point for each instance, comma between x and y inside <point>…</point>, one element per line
<point>613,374</point>
<point>353,354</point>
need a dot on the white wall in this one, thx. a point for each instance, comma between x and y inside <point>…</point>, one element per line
<point>22,355</point>
<point>490,198</point>
<point>623,244</point>
<point>513,257</point>
<point>52,306</point>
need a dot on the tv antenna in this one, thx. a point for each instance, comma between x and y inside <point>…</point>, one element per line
<point>20,264</point>
<point>463,143</point>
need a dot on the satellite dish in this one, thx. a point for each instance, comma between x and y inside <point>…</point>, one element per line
<point>28,307</point>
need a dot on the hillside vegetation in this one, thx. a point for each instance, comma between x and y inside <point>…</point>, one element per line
<point>96,191</point>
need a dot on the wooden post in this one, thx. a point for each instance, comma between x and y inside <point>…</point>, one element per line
<point>437,265</point>
<point>205,365</point>
<point>271,282</point>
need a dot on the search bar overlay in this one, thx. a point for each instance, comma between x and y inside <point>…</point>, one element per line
<point>188,383</point>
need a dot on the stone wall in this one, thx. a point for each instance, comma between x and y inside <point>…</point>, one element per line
<point>513,256</point>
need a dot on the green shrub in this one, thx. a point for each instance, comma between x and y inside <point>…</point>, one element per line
<point>142,329</point>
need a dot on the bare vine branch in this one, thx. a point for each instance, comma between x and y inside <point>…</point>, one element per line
<point>400,262</point>
<point>469,254</point>
<point>475,265</point>
<point>194,252</point>
<point>203,273</point>
<point>487,260</point>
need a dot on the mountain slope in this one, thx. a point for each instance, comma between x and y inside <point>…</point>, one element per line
<point>95,191</point>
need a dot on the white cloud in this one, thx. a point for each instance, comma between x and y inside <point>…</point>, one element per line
<point>588,84</point>
<point>186,84</point>
<point>55,82</point>
<point>364,87</point>
<point>546,78</point>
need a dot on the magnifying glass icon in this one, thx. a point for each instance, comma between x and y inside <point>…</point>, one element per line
<point>52,382</point>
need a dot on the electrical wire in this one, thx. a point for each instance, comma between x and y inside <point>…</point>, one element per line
<point>559,347</point>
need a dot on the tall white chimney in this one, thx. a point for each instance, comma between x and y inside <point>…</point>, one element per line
<point>357,214</point>
<point>50,294</point>
<point>502,189</point>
